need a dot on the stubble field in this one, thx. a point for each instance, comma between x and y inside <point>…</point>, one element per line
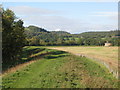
<point>105,55</point>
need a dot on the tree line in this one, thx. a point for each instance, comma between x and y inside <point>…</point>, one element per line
<point>38,36</point>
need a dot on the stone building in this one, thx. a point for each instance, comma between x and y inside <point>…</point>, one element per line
<point>108,44</point>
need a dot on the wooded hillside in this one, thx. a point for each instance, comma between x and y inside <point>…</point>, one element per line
<point>40,36</point>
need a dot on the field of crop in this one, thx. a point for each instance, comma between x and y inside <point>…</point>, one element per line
<point>58,69</point>
<point>106,55</point>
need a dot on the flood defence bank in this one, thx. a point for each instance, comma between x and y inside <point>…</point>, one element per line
<point>112,70</point>
<point>107,65</point>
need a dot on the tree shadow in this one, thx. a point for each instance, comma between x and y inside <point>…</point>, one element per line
<point>27,53</point>
<point>56,54</point>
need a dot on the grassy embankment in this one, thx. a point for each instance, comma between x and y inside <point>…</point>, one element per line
<point>58,69</point>
<point>107,55</point>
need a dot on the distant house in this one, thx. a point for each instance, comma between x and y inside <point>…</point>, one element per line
<point>108,44</point>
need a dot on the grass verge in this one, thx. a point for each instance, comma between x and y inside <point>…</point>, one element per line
<point>59,69</point>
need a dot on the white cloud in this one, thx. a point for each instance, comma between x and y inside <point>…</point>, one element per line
<point>58,23</point>
<point>50,20</point>
<point>57,29</point>
<point>27,10</point>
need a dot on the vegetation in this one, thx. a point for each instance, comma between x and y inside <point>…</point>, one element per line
<point>39,36</point>
<point>59,69</point>
<point>107,56</point>
<point>47,68</point>
<point>13,37</point>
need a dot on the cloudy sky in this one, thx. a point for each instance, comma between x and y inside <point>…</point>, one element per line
<point>74,17</point>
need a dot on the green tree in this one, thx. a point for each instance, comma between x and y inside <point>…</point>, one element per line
<point>13,37</point>
<point>59,41</point>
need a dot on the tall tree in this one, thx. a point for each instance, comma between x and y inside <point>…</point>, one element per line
<point>13,37</point>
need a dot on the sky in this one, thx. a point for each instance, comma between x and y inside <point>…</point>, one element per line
<point>73,17</point>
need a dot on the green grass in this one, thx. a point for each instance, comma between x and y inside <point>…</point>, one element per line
<point>60,69</point>
<point>108,55</point>
<point>70,38</point>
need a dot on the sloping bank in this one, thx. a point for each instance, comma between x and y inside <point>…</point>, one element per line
<point>102,55</point>
<point>59,69</point>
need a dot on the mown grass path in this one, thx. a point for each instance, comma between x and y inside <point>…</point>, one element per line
<point>60,69</point>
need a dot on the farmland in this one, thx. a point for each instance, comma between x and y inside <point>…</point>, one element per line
<point>107,55</point>
<point>58,69</point>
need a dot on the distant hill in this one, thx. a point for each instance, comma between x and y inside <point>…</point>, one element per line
<point>40,36</point>
<point>101,34</point>
<point>60,32</point>
<point>35,29</point>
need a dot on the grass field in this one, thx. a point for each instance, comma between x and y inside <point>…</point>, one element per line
<point>58,69</point>
<point>108,55</point>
